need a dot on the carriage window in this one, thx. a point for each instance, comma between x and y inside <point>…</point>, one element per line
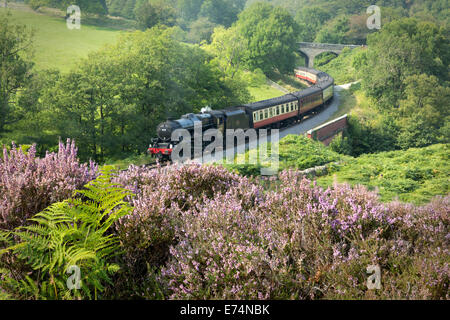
<point>254,116</point>
<point>261,116</point>
<point>278,110</point>
<point>266,114</point>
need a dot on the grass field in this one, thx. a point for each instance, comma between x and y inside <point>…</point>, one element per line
<point>415,175</point>
<point>264,92</point>
<point>55,46</point>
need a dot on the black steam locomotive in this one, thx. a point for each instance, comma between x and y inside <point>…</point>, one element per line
<point>272,113</point>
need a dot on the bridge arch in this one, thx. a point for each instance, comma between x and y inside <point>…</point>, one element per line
<point>311,50</point>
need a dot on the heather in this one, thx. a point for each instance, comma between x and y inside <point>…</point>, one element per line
<point>235,239</point>
<point>29,184</point>
<point>203,232</point>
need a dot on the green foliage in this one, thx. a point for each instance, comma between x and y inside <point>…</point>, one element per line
<point>295,152</point>
<point>415,175</point>
<point>423,113</point>
<point>229,49</point>
<point>122,8</point>
<point>371,135</point>
<point>401,49</point>
<point>55,46</point>
<point>14,66</point>
<point>113,102</point>
<point>301,153</point>
<point>149,14</point>
<point>310,20</point>
<point>223,12</point>
<point>334,31</point>
<point>88,6</point>
<point>269,32</point>
<point>201,30</point>
<point>341,145</point>
<point>76,232</point>
<point>323,59</point>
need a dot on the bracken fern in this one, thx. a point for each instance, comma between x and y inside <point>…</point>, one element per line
<point>75,232</point>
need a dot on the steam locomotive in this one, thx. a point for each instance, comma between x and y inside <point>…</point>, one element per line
<point>267,114</point>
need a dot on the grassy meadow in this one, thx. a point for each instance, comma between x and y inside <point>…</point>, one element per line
<point>415,175</point>
<point>264,92</point>
<point>57,47</point>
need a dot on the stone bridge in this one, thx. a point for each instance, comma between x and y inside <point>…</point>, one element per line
<point>310,50</point>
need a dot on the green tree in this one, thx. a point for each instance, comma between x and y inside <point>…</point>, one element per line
<point>122,8</point>
<point>335,31</point>
<point>32,113</point>
<point>87,6</point>
<point>229,49</point>
<point>222,12</point>
<point>189,10</point>
<point>424,112</point>
<point>113,102</point>
<point>15,44</point>
<point>152,13</point>
<point>201,30</point>
<point>270,33</point>
<point>310,21</point>
<point>403,48</point>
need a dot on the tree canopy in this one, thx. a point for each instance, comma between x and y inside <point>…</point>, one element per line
<point>15,41</point>
<point>269,32</point>
<point>113,101</point>
<point>403,48</point>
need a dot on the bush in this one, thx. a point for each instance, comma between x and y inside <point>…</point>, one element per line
<point>162,195</point>
<point>341,145</point>
<point>302,242</point>
<point>201,232</point>
<point>295,152</point>
<point>298,152</point>
<point>29,184</point>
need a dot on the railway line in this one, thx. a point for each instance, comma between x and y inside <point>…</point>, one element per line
<point>293,113</point>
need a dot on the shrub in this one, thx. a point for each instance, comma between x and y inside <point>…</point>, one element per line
<point>201,232</point>
<point>162,195</point>
<point>29,184</point>
<point>295,152</point>
<point>300,241</point>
